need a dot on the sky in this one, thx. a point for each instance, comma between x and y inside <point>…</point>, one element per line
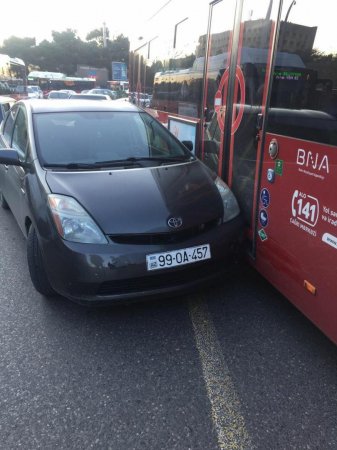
<point>38,18</point>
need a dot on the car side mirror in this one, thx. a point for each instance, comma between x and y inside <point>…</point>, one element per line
<point>188,145</point>
<point>10,157</point>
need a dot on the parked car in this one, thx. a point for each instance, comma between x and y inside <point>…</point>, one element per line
<point>109,92</point>
<point>5,105</point>
<point>113,206</point>
<point>89,97</point>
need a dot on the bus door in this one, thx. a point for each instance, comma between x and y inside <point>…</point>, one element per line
<point>232,138</point>
<point>296,246</point>
<point>218,45</point>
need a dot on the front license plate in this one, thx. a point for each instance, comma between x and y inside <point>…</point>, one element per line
<point>175,258</point>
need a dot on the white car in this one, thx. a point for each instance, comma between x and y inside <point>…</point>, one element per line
<point>102,91</point>
<point>36,89</point>
<point>27,90</point>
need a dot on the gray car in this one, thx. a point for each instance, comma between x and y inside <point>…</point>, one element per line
<point>113,206</point>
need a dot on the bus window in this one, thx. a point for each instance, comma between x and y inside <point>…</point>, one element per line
<point>172,62</point>
<point>304,99</point>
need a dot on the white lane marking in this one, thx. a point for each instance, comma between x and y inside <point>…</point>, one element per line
<point>225,404</point>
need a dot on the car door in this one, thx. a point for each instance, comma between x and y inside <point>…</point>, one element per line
<point>13,177</point>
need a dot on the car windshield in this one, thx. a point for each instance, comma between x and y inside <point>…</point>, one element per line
<point>80,139</point>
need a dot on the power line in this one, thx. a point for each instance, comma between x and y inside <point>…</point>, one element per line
<point>162,7</point>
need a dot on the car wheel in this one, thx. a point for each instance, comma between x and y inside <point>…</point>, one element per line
<point>3,202</point>
<point>36,267</point>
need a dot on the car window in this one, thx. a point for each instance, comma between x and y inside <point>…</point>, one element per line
<point>159,139</point>
<point>9,125</point>
<point>89,137</point>
<point>20,135</point>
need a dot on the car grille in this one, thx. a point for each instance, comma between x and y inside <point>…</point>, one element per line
<point>164,238</point>
<point>183,276</point>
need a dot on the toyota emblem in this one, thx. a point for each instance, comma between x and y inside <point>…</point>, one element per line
<point>175,222</point>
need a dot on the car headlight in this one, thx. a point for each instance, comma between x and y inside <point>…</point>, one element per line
<point>72,222</point>
<point>230,205</point>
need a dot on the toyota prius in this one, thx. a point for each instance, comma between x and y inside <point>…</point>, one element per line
<point>113,206</point>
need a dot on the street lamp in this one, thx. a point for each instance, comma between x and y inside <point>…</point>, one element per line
<point>138,84</point>
<point>104,35</point>
<point>288,12</point>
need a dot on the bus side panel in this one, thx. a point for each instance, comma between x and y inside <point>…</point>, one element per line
<point>297,226</point>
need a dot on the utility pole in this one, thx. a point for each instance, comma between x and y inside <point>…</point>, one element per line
<point>104,35</point>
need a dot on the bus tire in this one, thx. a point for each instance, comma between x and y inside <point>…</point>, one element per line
<point>36,268</point>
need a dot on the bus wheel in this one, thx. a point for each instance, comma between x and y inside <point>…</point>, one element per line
<point>36,267</point>
<point>3,202</point>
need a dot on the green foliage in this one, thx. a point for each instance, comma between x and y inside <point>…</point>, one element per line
<point>96,36</point>
<point>67,50</point>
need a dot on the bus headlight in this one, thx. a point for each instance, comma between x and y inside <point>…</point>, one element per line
<point>230,205</point>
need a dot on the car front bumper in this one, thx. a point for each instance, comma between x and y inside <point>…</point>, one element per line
<point>89,273</point>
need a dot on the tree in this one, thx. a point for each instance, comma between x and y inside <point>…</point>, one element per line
<point>67,50</point>
<point>97,36</point>
<point>18,47</point>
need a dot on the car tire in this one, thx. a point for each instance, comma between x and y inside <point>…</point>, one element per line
<point>36,267</point>
<point>3,202</point>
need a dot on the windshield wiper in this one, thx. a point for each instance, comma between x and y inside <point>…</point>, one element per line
<point>101,164</point>
<point>95,165</point>
<point>161,159</point>
<point>127,162</point>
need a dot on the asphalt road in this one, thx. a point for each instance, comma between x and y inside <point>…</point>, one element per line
<point>233,367</point>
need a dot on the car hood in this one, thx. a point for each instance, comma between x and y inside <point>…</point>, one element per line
<point>141,200</point>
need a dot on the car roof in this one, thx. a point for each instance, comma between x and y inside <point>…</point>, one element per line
<point>5,99</point>
<point>60,105</point>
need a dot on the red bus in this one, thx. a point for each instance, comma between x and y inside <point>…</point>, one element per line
<point>50,81</point>
<point>254,86</point>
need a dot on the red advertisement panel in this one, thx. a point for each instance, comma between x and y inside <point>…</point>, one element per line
<point>297,226</point>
